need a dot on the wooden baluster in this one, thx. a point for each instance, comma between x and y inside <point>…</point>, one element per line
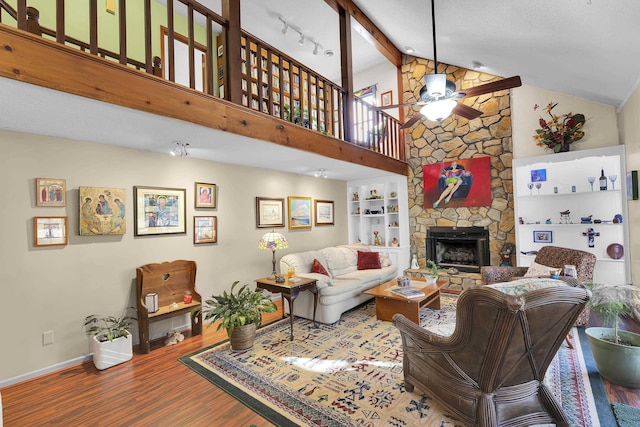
<point>170,61</point>
<point>209,81</point>
<point>149,66</point>
<point>60,28</point>
<point>93,27</point>
<point>33,17</point>
<point>123,32</point>
<point>22,14</point>
<point>192,65</point>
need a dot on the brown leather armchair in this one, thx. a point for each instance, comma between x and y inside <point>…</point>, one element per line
<point>551,256</point>
<point>490,371</point>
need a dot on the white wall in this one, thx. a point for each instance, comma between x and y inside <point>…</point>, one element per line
<point>385,75</point>
<point>54,288</point>
<point>601,127</point>
<point>630,137</point>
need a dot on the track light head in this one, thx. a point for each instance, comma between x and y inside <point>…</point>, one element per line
<point>301,41</point>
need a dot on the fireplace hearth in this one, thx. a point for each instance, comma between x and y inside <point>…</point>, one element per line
<point>464,248</point>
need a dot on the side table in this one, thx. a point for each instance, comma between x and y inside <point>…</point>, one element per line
<point>289,291</point>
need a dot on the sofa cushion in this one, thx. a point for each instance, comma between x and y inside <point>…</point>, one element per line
<point>368,260</point>
<point>537,270</point>
<point>341,285</point>
<point>339,260</point>
<point>319,268</point>
<point>302,262</point>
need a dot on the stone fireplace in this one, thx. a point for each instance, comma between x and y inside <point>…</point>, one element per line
<point>458,138</point>
<point>463,248</point>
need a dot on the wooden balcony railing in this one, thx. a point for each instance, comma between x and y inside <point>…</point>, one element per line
<point>272,82</point>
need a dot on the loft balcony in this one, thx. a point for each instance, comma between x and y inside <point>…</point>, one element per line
<point>201,68</point>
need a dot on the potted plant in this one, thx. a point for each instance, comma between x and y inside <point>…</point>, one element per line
<point>433,271</point>
<point>615,351</point>
<point>111,342</point>
<point>239,312</point>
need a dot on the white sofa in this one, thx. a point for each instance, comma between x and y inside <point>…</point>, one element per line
<point>343,288</point>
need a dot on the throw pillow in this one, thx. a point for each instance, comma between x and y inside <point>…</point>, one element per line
<point>319,268</point>
<point>368,260</point>
<point>537,270</point>
<point>385,261</point>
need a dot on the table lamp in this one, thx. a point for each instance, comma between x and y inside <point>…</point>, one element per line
<point>273,241</point>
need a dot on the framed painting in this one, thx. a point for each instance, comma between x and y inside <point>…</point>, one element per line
<point>102,211</point>
<point>51,192</point>
<point>205,229</point>
<point>542,237</point>
<point>538,175</point>
<point>386,98</point>
<point>50,231</point>
<point>205,195</point>
<point>269,212</point>
<point>458,183</point>
<point>324,212</point>
<point>299,212</point>
<point>159,210</point>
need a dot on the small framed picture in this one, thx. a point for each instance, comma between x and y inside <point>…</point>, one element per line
<point>205,195</point>
<point>51,192</point>
<point>324,212</point>
<point>205,229</point>
<point>542,237</point>
<point>269,212</point>
<point>50,231</point>
<point>386,98</point>
<point>538,175</point>
<point>159,210</point>
<point>299,212</point>
<point>220,50</point>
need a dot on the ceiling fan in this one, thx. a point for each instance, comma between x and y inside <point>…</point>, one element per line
<point>438,98</point>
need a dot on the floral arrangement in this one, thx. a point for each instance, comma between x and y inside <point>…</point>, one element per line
<point>560,131</point>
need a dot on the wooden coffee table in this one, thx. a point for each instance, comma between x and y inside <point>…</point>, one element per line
<point>389,303</point>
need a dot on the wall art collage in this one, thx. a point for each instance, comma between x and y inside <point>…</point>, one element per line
<point>270,212</point>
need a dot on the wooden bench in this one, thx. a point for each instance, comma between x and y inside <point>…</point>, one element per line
<point>169,280</point>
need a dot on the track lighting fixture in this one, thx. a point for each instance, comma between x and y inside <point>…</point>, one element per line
<point>321,173</point>
<point>315,49</point>
<point>301,41</point>
<point>180,149</point>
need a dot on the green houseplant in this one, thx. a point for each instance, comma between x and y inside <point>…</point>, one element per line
<point>239,312</point>
<point>433,271</point>
<point>615,351</point>
<point>111,341</point>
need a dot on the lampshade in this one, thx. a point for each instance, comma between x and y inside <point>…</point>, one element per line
<point>273,241</point>
<point>437,111</point>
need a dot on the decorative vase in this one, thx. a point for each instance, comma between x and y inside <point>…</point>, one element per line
<point>242,337</point>
<point>564,147</point>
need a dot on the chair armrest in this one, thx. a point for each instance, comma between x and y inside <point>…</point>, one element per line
<point>496,274</point>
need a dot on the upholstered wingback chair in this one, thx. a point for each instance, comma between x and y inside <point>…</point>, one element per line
<point>551,256</point>
<point>490,371</point>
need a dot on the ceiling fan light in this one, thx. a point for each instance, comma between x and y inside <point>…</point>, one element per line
<point>437,111</point>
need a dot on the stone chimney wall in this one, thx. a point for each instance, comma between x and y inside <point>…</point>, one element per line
<point>458,138</point>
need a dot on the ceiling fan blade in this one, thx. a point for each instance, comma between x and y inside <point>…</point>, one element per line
<point>493,86</point>
<point>412,121</point>
<point>466,111</point>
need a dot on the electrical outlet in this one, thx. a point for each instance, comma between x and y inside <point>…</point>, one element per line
<point>47,338</point>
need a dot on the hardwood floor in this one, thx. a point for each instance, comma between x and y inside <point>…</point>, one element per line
<point>153,389</point>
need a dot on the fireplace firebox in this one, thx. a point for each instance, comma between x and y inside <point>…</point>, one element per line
<point>464,248</point>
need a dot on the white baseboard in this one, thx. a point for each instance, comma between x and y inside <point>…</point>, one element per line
<point>47,370</point>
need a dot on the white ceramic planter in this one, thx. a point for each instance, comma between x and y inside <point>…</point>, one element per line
<point>110,353</point>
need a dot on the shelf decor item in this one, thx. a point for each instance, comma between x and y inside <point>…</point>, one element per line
<point>542,237</point>
<point>560,131</point>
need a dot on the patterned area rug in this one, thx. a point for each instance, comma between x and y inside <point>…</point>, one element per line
<point>350,374</point>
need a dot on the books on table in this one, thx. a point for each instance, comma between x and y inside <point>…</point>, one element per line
<point>408,292</point>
